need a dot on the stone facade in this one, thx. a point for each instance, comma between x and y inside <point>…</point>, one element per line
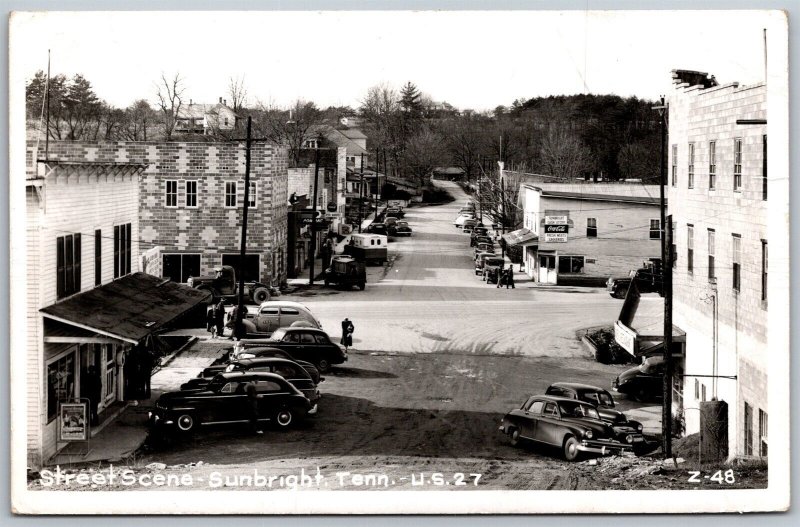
<point>206,222</point>
<point>725,318</point>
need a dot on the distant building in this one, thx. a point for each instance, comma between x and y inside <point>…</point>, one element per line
<point>583,233</point>
<point>449,173</point>
<point>719,196</point>
<point>205,119</point>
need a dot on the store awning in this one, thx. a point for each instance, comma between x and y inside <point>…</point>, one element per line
<point>640,327</point>
<point>521,237</point>
<point>129,308</point>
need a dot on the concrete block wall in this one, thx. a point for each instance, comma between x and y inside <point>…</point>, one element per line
<point>210,228</point>
<point>700,116</point>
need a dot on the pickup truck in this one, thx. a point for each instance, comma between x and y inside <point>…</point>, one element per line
<point>648,280</point>
<point>223,284</point>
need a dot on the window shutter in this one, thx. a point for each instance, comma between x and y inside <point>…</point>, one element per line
<point>60,267</point>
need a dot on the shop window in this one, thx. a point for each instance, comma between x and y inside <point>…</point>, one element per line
<point>763,425</point>
<point>570,264</point>
<point>591,227</point>
<point>180,267</point>
<point>251,270</point>
<point>60,384</point>
<point>68,265</point>
<point>748,430</point>
<point>111,372</point>
<point>122,250</point>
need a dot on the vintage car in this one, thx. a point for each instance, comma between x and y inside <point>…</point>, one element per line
<point>461,218</point>
<point>273,315</point>
<point>391,220</point>
<point>643,382</point>
<point>597,397</point>
<point>377,228</point>
<point>480,259</point>
<point>308,344</point>
<point>395,212</point>
<point>491,268</point>
<point>567,424</point>
<point>346,271</point>
<point>255,348</point>
<point>648,280</point>
<point>484,247</point>
<point>401,228</point>
<point>224,401</point>
<point>368,248</point>
<point>475,240</point>
<point>224,284</point>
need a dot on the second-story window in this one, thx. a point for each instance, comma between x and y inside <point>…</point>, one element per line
<point>230,193</point>
<point>122,250</point>
<point>171,197</point>
<point>674,165</point>
<point>691,165</point>
<point>191,193</point>
<point>712,275</point>
<point>737,164</point>
<point>98,260</point>
<point>712,165</point>
<point>690,248</point>
<point>737,261</point>
<point>764,169</point>
<point>764,265</point>
<point>68,265</point>
<point>655,229</point>
<point>251,199</point>
<point>591,227</point>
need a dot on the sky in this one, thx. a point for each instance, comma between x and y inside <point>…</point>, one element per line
<point>476,60</point>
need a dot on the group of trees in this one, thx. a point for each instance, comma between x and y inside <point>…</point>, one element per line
<point>564,137</point>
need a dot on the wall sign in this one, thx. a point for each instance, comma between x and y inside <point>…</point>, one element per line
<point>73,421</point>
<point>556,226</point>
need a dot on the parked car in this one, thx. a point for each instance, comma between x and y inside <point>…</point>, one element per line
<point>309,344</point>
<point>484,247</point>
<point>252,349</point>
<point>377,228</point>
<point>461,218</point>
<point>597,397</point>
<point>643,382</point>
<point>223,284</point>
<point>401,228</point>
<point>396,212</point>
<point>567,424</point>
<point>648,280</point>
<point>346,271</point>
<point>475,240</point>
<point>276,314</point>
<point>224,401</point>
<point>491,268</point>
<point>480,259</point>
<point>391,220</point>
<point>368,248</point>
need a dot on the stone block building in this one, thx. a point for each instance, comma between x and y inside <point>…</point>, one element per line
<point>719,196</point>
<point>190,200</point>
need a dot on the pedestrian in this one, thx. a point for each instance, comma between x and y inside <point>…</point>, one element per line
<point>211,320</point>
<point>347,333</point>
<point>219,318</point>
<point>252,407</point>
<point>510,277</point>
<point>94,387</point>
<point>500,276</point>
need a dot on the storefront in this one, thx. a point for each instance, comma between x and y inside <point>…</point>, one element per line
<point>98,345</point>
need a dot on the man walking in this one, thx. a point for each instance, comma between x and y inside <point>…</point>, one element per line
<point>347,333</point>
<point>219,317</point>
<point>510,277</point>
<point>252,407</point>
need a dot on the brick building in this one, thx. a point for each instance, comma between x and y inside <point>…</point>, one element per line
<point>85,299</point>
<point>718,196</point>
<point>190,201</point>
<point>606,229</point>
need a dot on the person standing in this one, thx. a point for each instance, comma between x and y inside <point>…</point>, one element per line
<point>510,277</point>
<point>219,318</point>
<point>210,320</point>
<point>94,389</point>
<point>252,407</point>
<point>347,333</point>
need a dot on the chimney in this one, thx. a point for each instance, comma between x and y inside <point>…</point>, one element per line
<point>220,100</point>
<point>190,102</point>
<point>225,102</point>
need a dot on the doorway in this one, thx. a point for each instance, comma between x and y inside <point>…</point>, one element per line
<point>547,269</point>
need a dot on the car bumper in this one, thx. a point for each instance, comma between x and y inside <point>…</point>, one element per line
<point>607,447</point>
<point>157,420</point>
<point>313,410</point>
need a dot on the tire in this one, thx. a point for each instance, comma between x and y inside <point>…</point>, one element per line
<point>327,282</point>
<point>513,437</point>
<point>186,423</point>
<point>283,418</point>
<point>362,285</point>
<point>323,365</point>
<point>571,451</point>
<point>260,294</point>
<point>641,395</point>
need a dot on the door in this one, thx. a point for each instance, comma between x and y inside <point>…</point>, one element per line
<point>533,411</point>
<point>549,425</point>
<point>229,404</point>
<point>268,319</point>
<point>110,386</point>
<point>547,269</point>
<point>307,349</point>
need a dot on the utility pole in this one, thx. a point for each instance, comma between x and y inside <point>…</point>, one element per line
<point>503,205</point>
<point>361,196</point>
<point>662,111</point>
<point>666,414</point>
<point>47,118</point>
<point>238,330</point>
<point>312,249</point>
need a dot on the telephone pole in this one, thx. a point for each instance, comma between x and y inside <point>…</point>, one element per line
<point>238,330</point>
<point>666,414</point>
<point>313,247</point>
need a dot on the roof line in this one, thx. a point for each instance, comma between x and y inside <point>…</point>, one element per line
<point>89,328</point>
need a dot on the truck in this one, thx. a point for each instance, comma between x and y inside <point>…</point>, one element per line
<point>648,279</point>
<point>346,271</point>
<point>368,248</point>
<point>223,284</point>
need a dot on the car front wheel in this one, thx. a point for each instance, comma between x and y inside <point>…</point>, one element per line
<point>571,448</point>
<point>260,295</point>
<point>284,418</point>
<point>186,423</point>
<point>513,437</point>
<point>323,365</point>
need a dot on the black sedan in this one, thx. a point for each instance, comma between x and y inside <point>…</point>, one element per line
<point>597,397</point>
<point>224,401</point>
<point>252,348</point>
<point>289,370</point>
<point>400,228</point>
<point>643,382</point>
<point>308,344</point>
<point>569,425</point>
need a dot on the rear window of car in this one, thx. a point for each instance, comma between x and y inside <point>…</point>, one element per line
<point>291,337</point>
<point>494,261</point>
<point>268,387</point>
<point>230,387</point>
<point>269,311</point>
<point>289,311</point>
<point>307,338</point>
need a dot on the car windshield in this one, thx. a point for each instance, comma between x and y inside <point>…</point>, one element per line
<point>278,334</point>
<point>576,409</point>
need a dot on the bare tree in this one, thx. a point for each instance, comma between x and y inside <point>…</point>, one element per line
<point>291,127</point>
<point>170,99</point>
<point>499,198</point>
<point>423,152</point>
<point>563,154</point>
<point>138,118</point>
<point>238,94</point>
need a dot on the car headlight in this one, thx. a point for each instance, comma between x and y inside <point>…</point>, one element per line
<point>190,282</point>
<point>588,434</point>
<point>639,427</point>
<point>629,438</point>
